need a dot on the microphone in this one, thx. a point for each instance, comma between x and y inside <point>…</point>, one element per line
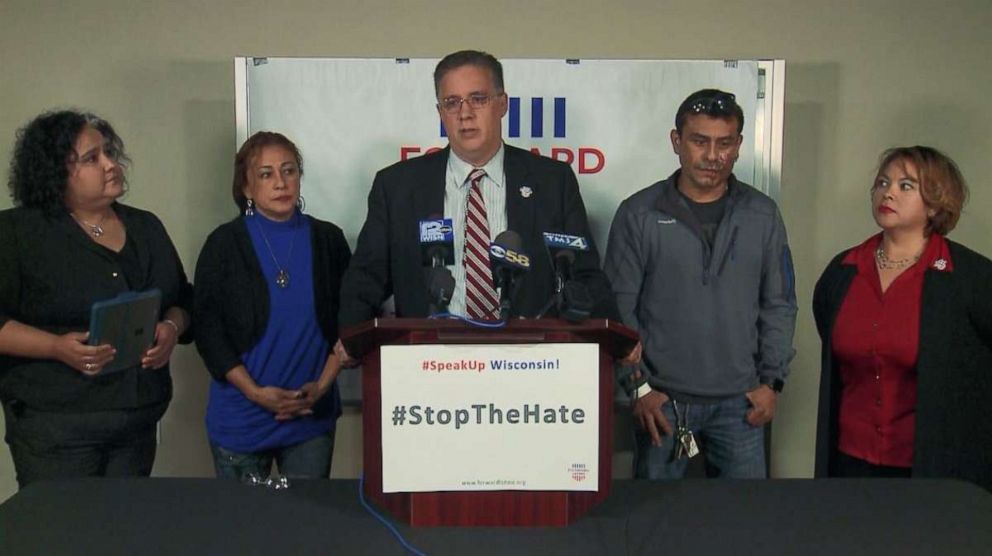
<point>437,251</point>
<point>440,286</point>
<point>573,299</point>
<point>437,242</point>
<point>562,248</point>
<point>575,303</point>
<point>508,260</point>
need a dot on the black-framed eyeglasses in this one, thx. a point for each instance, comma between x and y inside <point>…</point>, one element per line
<point>452,105</point>
<point>719,102</point>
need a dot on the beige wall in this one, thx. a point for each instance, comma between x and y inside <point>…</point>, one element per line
<point>861,76</point>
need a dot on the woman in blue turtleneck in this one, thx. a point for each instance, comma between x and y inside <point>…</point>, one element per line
<point>267,290</point>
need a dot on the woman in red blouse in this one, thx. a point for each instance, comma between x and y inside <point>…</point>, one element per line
<point>906,324</point>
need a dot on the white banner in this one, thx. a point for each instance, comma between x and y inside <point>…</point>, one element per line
<point>610,119</point>
<point>490,417</point>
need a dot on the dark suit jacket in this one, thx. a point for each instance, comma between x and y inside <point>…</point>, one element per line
<point>387,257</point>
<point>953,436</point>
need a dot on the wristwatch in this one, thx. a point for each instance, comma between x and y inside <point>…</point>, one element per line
<point>775,384</point>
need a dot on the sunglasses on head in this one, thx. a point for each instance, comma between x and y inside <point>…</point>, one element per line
<point>719,102</point>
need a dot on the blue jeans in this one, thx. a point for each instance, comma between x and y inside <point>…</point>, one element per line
<point>731,447</point>
<point>310,459</point>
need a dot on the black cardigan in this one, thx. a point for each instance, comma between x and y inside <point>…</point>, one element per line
<point>953,436</point>
<point>51,272</point>
<point>232,296</point>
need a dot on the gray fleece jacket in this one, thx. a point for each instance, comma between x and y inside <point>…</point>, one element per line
<point>712,321</point>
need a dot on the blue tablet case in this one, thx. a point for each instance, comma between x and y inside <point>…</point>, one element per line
<point>126,322</point>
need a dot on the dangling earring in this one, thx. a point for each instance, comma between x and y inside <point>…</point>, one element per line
<point>249,208</point>
<point>301,203</point>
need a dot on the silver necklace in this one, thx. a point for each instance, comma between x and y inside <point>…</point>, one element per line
<point>282,276</point>
<point>885,263</point>
<point>96,230</point>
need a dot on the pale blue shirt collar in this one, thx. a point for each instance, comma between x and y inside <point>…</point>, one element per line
<point>458,169</point>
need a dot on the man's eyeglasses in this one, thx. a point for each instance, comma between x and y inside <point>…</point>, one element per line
<point>452,105</point>
<point>720,102</point>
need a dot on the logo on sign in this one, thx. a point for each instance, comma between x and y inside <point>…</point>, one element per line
<point>536,117</point>
<point>565,241</point>
<point>434,231</point>
<point>578,472</point>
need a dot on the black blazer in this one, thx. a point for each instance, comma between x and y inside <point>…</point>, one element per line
<point>387,257</point>
<point>232,296</point>
<point>953,436</point>
<point>51,272</point>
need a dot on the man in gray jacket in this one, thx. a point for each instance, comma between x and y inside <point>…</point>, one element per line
<point>701,267</point>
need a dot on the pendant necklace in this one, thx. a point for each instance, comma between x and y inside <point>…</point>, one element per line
<point>96,230</point>
<point>282,276</point>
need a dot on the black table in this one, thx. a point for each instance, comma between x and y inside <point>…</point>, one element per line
<point>209,516</point>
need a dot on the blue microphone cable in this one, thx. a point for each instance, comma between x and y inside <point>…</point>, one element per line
<point>479,323</point>
<point>368,507</point>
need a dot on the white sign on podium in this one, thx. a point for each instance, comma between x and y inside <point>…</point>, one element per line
<point>490,417</point>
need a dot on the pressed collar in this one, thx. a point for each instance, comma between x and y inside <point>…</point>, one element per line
<point>459,169</point>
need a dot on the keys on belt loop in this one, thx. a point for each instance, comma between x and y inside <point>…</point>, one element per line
<point>685,442</point>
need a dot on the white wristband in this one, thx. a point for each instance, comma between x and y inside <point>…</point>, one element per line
<point>173,324</point>
<point>642,390</point>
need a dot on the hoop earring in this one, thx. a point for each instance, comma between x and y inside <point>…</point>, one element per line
<point>249,208</point>
<point>301,203</point>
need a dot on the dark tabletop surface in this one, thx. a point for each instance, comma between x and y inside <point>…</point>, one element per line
<point>210,516</point>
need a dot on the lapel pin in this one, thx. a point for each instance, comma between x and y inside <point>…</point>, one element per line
<point>526,192</point>
<point>940,264</point>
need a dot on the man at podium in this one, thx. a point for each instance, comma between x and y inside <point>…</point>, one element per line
<point>489,195</point>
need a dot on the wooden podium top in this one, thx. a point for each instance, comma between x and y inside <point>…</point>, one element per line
<point>616,338</point>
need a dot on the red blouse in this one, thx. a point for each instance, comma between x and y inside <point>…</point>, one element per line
<point>875,342</point>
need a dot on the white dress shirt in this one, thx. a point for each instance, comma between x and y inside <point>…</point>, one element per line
<point>456,191</point>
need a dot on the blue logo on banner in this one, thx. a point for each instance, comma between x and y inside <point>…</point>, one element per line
<point>436,231</point>
<point>536,118</point>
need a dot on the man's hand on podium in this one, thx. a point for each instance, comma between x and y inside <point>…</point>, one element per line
<point>634,357</point>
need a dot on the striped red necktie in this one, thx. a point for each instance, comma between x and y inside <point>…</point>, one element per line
<point>481,300</point>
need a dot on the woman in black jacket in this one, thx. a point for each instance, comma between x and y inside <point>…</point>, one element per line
<point>906,324</point>
<point>267,290</point>
<point>67,244</point>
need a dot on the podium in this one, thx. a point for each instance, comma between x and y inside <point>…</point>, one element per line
<point>484,508</point>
